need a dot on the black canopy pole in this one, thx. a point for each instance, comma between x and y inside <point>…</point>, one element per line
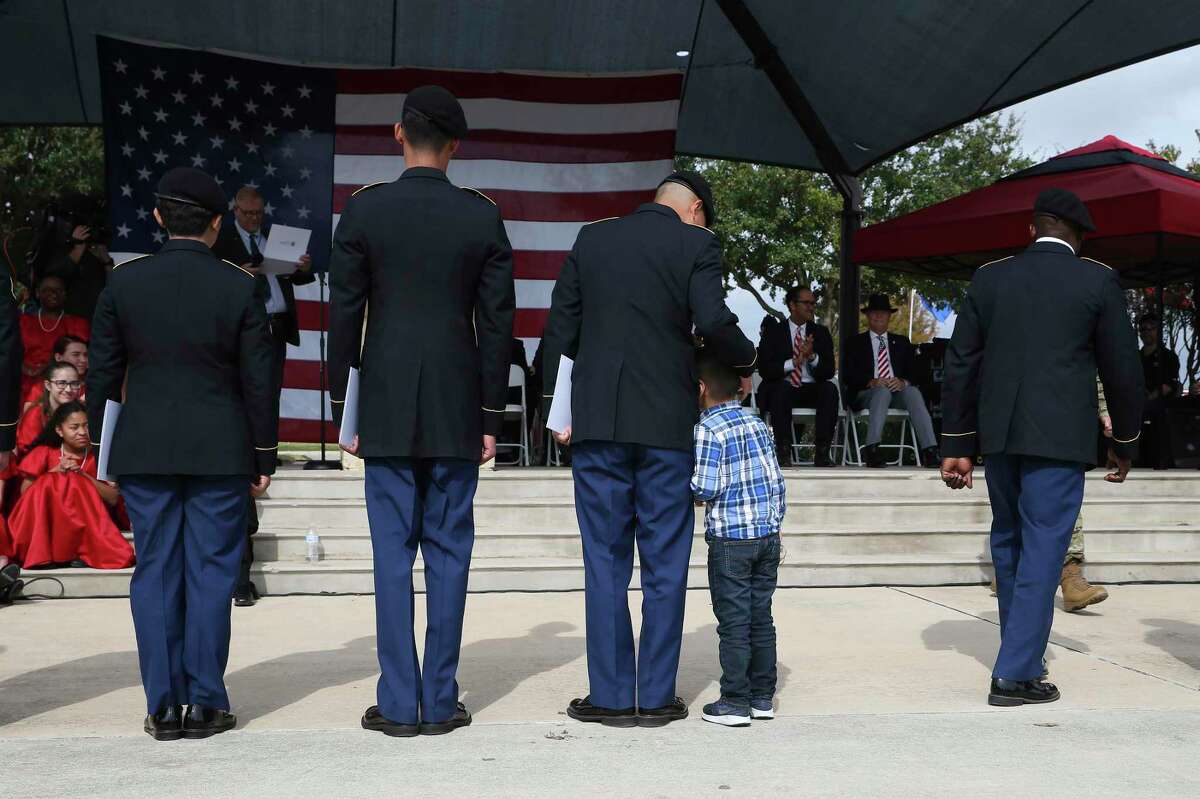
<point>766,58</point>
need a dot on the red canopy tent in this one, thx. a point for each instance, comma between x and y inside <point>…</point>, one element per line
<point>1147,215</point>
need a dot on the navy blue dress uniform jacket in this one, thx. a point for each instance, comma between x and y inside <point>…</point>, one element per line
<point>192,334</point>
<point>433,264</point>
<point>623,309</point>
<point>1020,375</point>
<point>11,356</point>
<point>858,364</point>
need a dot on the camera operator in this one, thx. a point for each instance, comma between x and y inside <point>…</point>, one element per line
<point>73,246</point>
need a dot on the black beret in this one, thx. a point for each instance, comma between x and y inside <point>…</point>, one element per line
<point>440,107</point>
<point>1064,205</point>
<point>699,187</point>
<point>190,186</point>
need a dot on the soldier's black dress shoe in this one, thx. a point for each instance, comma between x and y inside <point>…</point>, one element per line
<point>822,457</point>
<point>1013,693</point>
<point>584,710</point>
<point>166,724</point>
<point>205,722</point>
<point>377,722</point>
<point>931,458</point>
<point>246,595</point>
<point>461,718</point>
<point>873,458</point>
<point>662,716</point>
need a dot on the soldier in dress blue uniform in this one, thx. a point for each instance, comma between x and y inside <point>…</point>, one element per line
<point>186,334</point>
<point>1021,390</point>
<point>433,262</point>
<point>624,308</point>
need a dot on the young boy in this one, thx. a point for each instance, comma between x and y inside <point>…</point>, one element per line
<point>738,477</point>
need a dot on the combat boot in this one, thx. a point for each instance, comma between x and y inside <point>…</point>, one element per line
<point>1077,592</point>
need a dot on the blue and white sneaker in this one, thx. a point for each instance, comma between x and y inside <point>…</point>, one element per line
<point>721,712</point>
<point>762,709</point>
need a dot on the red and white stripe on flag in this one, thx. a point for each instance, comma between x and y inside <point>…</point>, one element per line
<point>553,151</point>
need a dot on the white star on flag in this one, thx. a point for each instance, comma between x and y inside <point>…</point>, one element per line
<point>235,165</point>
<point>269,169</point>
<point>160,115</point>
<point>120,66</point>
<point>216,100</point>
<point>303,212</point>
<point>252,148</point>
<point>305,92</point>
<point>288,151</point>
<point>157,236</point>
<point>198,161</point>
<point>251,107</point>
<point>160,157</point>
<point>126,108</point>
<point>286,191</point>
<point>216,142</point>
<point>268,88</point>
<point>305,173</point>
<point>126,150</point>
<point>287,111</point>
<point>126,190</point>
<point>142,213</point>
<point>198,119</point>
<point>269,209</point>
<point>197,76</point>
<point>235,125</point>
<point>231,83</point>
<point>179,137</point>
<point>123,230</point>
<point>143,133</point>
<point>269,129</point>
<point>159,73</point>
<point>179,96</point>
<point>252,184</point>
<point>306,132</point>
<point>143,173</point>
<point>141,92</point>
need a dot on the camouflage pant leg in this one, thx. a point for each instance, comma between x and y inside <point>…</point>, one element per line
<point>1075,550</point>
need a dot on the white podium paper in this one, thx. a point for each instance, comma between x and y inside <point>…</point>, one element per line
<point>559,418</point>
<point>350,411</point>
<point>112,412</point>
<point>284,247</point>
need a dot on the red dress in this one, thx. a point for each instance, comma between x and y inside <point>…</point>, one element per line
<point>39,342</point>
<point>62,518</point>
<point>32,423</point>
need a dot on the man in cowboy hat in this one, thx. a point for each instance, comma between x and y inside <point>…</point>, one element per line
<point>878,368</point>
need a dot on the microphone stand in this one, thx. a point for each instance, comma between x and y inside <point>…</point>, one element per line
<point>323,463</point>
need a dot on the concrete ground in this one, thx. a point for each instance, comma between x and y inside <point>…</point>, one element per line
<point>882,693</point>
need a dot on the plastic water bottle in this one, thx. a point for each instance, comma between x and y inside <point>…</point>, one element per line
<point>313,541</point>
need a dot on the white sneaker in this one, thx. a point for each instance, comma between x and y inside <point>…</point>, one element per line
<point>762,710</point>
<point>726,715</point>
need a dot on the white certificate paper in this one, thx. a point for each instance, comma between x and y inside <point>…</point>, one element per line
<point>350,411</point>
<point>112,412</point>
<point>559,418</point>
<point>284,247</point>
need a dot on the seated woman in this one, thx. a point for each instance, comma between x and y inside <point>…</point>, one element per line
<point>61,385</point>
<point>73,350</point>
<point>40,329</point>
<point>65,515</point>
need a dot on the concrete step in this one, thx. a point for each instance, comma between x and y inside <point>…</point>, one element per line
<point>842,482</point>
<point>957,511</point>
<point>559,574</point>
<point>289,545</point>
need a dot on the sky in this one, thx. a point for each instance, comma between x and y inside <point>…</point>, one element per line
<point>1157,99</point>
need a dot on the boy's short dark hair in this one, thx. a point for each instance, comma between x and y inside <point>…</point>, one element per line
<point>720,380</point>
<point>421,133</point>
<point>184,219</point>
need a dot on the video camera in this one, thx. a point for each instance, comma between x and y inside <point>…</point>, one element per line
<point>55,226</point>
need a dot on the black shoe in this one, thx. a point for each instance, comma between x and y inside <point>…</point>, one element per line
<point>246,595</point>
<point>822,456</point>
<point>166,724</point>
<point>1013,693</point>
<point>376,722</point>
<point>584,710</point>
<point>931,458</point>
<point>662,716</point>
<point>784,456</point>
<point>205,722</point>
<point>461,718</point>
<point>873,458</point>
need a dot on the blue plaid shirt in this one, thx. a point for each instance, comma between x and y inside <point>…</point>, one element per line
<point>737,474</point>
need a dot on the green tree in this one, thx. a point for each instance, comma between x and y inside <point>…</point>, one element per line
<point>780,226</point>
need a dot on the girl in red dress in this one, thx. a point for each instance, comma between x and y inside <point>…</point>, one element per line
<point>39,330</point>
<point>74,351</point>
<point>66,515</point>
<point>62,385</point>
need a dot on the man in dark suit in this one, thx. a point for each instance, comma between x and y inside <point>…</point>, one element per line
<point>1021,390</point>
<point>241,241</point>
<point>186,333</point>
<point>1160,371</point>
<point>877,371</point>
<point>796,362</point>
<point>624,306</point>
<point>434,263</point>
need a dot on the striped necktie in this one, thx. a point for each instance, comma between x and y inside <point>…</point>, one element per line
<point>882,361</point>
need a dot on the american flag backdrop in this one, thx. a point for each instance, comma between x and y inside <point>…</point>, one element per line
<point>553,151</point>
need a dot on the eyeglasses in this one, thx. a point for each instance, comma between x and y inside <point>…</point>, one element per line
<point>244,212</point>
<point>805,302</point>
<point>64,384</point>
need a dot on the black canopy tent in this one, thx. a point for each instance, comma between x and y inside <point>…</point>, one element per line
<point>827,86</point>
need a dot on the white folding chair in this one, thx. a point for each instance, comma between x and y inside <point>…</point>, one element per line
<point>850,440</point>
<point>513,411</point>
<point>808,417</point>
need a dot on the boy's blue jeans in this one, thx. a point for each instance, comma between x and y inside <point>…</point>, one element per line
<point>741,577</point>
